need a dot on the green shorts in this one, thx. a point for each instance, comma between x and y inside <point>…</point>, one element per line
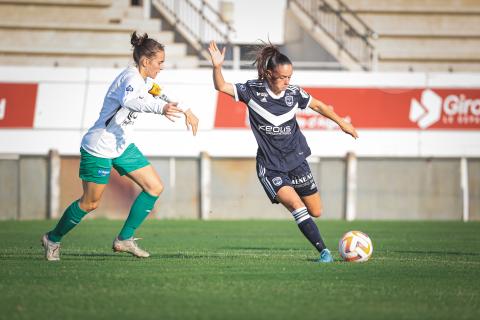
<point>96,169</point>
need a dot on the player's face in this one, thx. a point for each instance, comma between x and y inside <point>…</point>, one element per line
<point>280,78</point>
<point>155,64</point>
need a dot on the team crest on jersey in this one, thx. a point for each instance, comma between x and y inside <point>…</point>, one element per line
<point>289,100</point>
<point>129,88</point>
<point>277,181</point>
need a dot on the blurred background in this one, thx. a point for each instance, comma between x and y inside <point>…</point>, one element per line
<point>405,73</point>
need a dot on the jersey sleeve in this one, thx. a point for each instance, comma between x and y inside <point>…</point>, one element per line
<point>304,99</point>
<point>134,96</point>
<point>242,92</point>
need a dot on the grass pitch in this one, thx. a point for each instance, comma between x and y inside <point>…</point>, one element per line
<point>241,270</point>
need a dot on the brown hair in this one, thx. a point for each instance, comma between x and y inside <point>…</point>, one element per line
<point>143,46</point>
<point>268,57</point>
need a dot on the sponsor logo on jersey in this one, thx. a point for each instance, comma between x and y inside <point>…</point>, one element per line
<point>275,131</point>
<point>289,100</point>
<point>130,118</point>
<point>277,181</point>
<point>243,87</point>
<point>129,88</point>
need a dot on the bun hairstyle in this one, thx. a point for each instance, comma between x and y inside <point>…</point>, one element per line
<point>143,46</point>
<point>268,57</point>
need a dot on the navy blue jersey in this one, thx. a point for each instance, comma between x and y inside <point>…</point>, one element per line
<point>281,145</point>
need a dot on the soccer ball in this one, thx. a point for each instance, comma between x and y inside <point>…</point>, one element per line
<point>355,246</point>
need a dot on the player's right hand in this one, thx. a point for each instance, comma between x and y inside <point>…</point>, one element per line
<point>216,55</point>
<point>170,111</point>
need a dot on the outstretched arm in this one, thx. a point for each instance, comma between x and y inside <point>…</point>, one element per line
<point>327,111</point>
<point>217,58</point>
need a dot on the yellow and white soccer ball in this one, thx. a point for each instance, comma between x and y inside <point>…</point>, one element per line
<point>355,246</point>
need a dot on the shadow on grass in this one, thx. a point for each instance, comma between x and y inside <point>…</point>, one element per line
<point>258,248</point>
<point>455,253</point>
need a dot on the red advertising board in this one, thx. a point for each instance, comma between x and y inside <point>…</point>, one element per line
<point>377,108</point>
<point>17,104</point>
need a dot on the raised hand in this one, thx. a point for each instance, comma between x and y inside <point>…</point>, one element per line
<point>171,111</point>
<point>216,55</point>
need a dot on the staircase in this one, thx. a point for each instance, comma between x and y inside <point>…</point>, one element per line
<point>79,33</point>
<point>396,35</point>
<point>337,29</point>
<point>197,22</point>
<point>428,35</point>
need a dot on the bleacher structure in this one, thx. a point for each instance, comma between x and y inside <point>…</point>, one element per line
<point>395,35</point>
<point>79,33</point>
<point>370,35</point>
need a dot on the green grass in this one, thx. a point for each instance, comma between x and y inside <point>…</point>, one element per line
<point>241,270</point>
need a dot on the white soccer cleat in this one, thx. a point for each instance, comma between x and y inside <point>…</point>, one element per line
<point>129,245</point>
<point>52,249</point>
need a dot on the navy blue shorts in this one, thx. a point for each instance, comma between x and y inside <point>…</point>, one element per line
<point>300,178</point>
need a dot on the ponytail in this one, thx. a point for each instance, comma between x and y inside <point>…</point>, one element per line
<point>268,57</point>
<point>143,46</point>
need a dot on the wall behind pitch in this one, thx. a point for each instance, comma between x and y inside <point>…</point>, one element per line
<point>389,110</point>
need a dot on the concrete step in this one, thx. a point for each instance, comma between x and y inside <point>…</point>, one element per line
<point>77,41</point>
<point>408,6</point>
<point>47,13</point>
<point>89,3</point>
<point>437,25</point>
<point>428,66</point>
<point>124,26</point>
<point>120,61</point>
<point>452,49</point>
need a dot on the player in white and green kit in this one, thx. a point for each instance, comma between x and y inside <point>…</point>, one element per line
<point>108,144</point>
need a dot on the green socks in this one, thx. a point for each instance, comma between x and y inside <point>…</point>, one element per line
<point>71,217</point>
<point>74,214</point>
<point>139,211</point>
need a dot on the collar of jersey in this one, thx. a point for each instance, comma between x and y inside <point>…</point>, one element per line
<point>273,95</point>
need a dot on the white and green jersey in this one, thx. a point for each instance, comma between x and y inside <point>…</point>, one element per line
<point>127,96</point>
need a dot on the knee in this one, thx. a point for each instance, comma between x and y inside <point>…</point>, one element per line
<point>88,205</point>
<point>155,189</point>
<point>316,212</point>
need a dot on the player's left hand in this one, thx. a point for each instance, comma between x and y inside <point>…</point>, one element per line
<point>191,121</point>
<point>349,129</point>
<point>171,111</point>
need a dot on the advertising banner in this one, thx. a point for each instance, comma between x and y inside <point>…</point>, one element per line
<point>377,108</point>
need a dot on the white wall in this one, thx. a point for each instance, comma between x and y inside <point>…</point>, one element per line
<point>69,100</point>
<point>253,19</point>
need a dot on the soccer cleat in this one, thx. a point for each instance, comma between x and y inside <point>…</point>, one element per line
<point>129,245</point>
<point>325,256</point>
<point>52,249</point>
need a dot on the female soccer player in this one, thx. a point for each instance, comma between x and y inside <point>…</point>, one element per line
<point>108,143</point>
<point>282,149</point>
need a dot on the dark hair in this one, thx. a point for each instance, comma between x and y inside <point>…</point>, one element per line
<point>143,46</point>
<point>268,57</point>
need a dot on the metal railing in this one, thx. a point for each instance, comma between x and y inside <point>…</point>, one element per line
<point>344,27</point>
<point>196,21</point>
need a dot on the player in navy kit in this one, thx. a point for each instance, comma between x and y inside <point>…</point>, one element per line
<point>282,149</point>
